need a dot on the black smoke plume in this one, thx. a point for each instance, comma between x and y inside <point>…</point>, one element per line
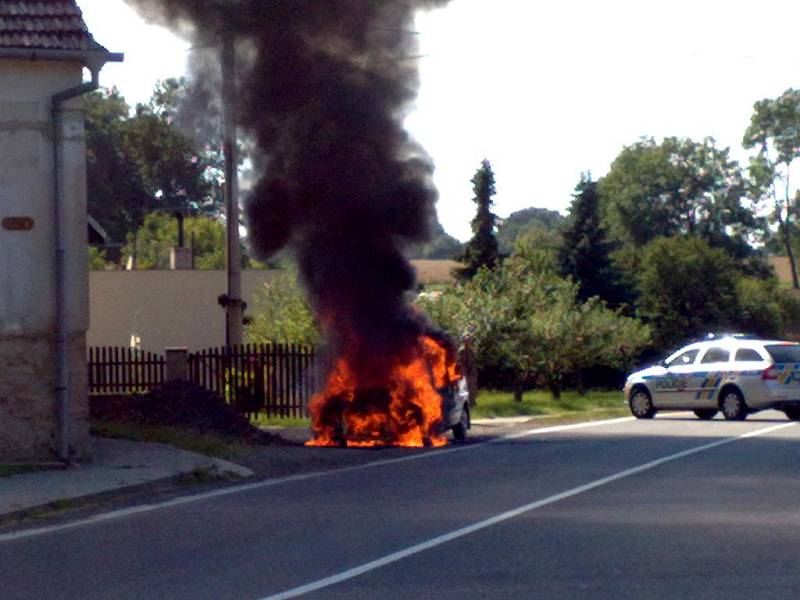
<point>324,90</point>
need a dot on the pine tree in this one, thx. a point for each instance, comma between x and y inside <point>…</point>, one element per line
<point>585,255</point>
<point>481,250</point>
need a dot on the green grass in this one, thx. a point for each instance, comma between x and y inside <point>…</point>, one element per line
<point>210,445</point>
<point>593,404</point>
<point>261,420</point>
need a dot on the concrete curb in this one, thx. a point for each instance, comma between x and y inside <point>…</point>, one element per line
<point>117,465</point>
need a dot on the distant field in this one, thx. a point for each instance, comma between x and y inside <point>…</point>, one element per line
<point>435,271</point>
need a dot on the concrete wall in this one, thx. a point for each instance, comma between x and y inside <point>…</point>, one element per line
<point>27,282</point>
<point>163,308</point>
<point>179,308</point>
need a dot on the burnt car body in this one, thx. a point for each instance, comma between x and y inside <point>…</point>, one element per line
<point>455,409</point>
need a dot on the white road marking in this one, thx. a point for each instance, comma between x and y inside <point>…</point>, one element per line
<point>145,508</point>
<point>511,514</point>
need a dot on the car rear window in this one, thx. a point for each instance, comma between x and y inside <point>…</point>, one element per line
<point>747,355</point>
<point>713,355</point>
<point>784,353</point>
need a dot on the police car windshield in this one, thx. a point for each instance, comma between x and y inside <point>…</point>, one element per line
<point>784,353</point>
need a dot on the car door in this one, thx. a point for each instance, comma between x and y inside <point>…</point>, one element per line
<point>713,366</point>
<point>668,389</point>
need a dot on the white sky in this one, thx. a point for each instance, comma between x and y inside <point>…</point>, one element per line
<point>546,90</point>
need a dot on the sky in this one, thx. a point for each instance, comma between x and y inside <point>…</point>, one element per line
<point>545,90</point>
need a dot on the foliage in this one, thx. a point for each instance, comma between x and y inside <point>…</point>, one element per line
<point>677,187</point>
<point>159,232</point>
<point>687,289</point>
<point>528,320</point>
<point>97,259</point>
<point>537,248</point>
<point>282,314</point>
<point>775,131</point>
<point>585,254</point>
<point>765,309</point>
<point>140,162</point>
<point>481,251</point>
<point>521,221</point>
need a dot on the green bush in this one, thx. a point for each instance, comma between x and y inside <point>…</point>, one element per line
<point>528,324</point>
<point>281,313</point>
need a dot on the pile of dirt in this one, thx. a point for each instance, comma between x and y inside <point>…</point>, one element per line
<point>186,406</point>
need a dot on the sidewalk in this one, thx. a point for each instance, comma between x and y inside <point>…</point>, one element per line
<point>116,464</point>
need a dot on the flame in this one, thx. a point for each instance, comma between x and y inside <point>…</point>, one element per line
<point>403,410</point>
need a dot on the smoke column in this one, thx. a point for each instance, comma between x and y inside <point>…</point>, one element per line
<point>324,91</point>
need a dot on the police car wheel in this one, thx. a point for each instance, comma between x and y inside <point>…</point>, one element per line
<point>705,414</point>
<point>733,406</point>
<point>641,404</point>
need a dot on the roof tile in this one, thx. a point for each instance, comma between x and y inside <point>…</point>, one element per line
<point>44,24</point>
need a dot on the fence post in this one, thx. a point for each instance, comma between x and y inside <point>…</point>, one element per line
<point>177,364</point>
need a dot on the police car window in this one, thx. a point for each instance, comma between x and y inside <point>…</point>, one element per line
<point>686,358</point>
<point>747,354</point>
<point>784,353</point>
<point>713,355</point>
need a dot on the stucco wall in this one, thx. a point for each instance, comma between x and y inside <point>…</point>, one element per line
<point>179,308</point>
<point>27,282</point>
<point>163,308</point>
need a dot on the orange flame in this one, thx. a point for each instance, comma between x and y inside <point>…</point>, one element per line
<point>404,410</point>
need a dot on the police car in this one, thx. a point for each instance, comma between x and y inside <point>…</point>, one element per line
<point>733,374</point>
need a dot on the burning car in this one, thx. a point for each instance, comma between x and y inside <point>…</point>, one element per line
<point>408,400</point>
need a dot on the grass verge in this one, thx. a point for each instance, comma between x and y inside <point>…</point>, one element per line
<point>595,404</point>
<point>260,420</point>
<point>208,444</point>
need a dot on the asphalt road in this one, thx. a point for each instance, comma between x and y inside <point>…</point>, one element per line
<point>669,508</point>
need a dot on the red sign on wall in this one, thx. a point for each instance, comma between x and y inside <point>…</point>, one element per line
<point>18,223</point>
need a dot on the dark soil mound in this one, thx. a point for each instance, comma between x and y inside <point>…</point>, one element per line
<point>186,406</point>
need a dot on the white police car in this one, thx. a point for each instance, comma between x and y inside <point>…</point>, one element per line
<point>732,374</point>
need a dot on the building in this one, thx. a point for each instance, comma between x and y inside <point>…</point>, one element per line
<point>44,49</point>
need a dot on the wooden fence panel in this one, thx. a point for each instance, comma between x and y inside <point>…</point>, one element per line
<point>277,379</point>
<point>121,370</point>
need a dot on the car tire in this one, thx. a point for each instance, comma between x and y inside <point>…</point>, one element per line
<point>792,413</point>
<point>641,404</point>
<point>733,405</point>
<point>706,414</point>
<point>460,429</point>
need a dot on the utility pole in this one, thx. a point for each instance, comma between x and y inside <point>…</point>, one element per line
<point>234,309</point>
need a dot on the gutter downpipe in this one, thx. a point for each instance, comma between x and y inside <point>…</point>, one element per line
<point>62,335</point>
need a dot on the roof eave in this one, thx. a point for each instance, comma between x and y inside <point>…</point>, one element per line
<point>91,59</point>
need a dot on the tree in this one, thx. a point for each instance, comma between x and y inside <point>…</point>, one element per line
<point>528,321</point>
<point>585,253</point>
<point>281,313</point>
<point>138,163</point>
<point>116,194</point>
<point>159,232</point>
<point>518,222</point>
<point>687,288</point>
<point>677,187</point>
<point>775,131</point>
<point>481,250</point>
